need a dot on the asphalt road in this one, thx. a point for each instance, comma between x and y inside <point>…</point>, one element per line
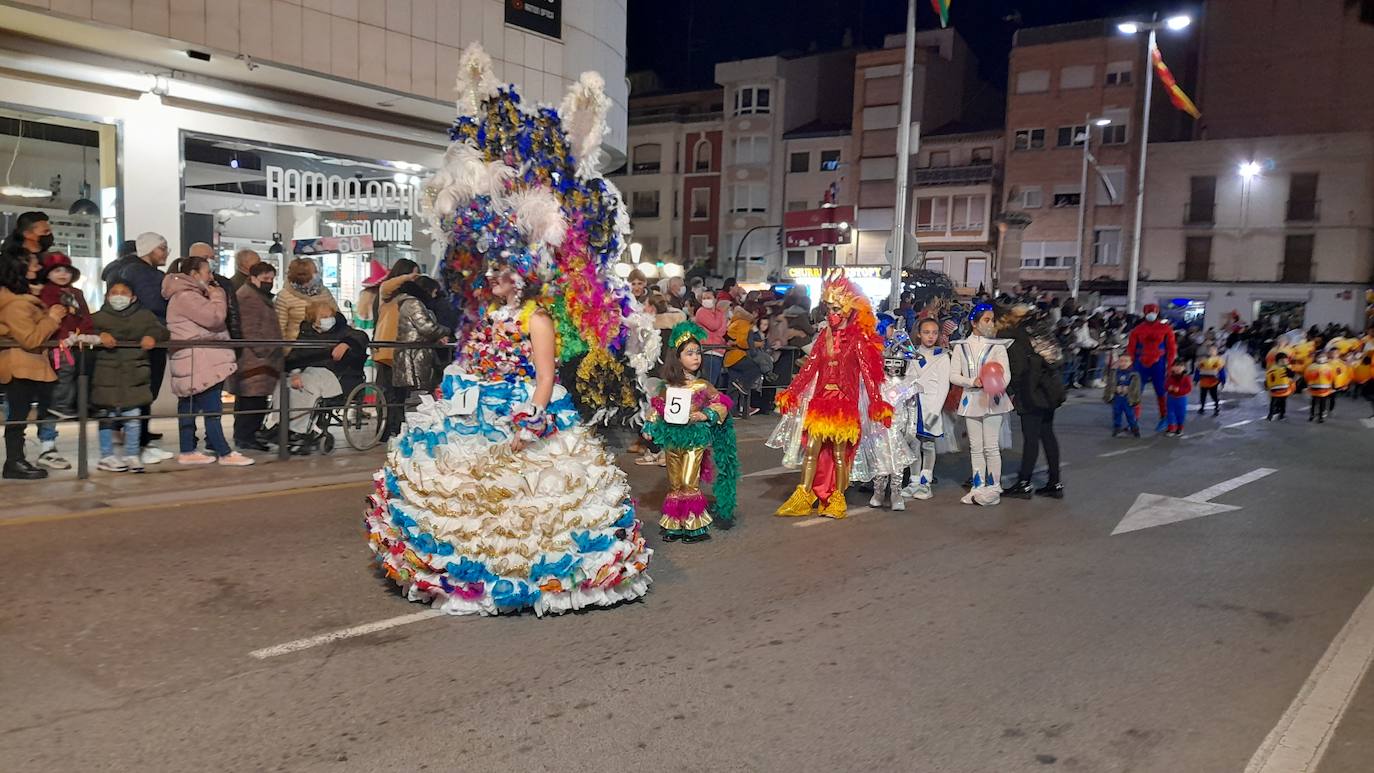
<point>947,638</point>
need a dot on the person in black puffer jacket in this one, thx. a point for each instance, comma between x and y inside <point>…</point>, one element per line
<point>1036,385</point>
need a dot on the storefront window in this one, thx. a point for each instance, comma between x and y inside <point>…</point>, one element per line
<point>345,213</point>
<point>66,168</point>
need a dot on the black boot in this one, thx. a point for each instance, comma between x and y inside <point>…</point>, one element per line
<point>1054,490</point>
<point>1019,490</point>
<point>702,537</point>
<point>20,469</point>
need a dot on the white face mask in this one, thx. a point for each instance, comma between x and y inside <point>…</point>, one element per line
<point>120,302</point>
<point>325,325</point>
<point>708,303</point>
<point>1152,316</point>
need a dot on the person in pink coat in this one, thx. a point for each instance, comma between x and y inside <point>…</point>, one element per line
<point>714,317</point>
<point>197,310</point>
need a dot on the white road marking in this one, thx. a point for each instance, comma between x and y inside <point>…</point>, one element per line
<point>1203,433</point>
<point>1300,739</point>
<point>1150,510</point>
<point>1132,449</point>
<point>1368,423</point>
<point>344,633</point>
<point>822,519</point>
<point>769,471</point>
<point>1238,423</point>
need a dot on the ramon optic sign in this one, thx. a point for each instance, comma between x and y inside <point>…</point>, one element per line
<point>542,16</point>
<point>316,189</point>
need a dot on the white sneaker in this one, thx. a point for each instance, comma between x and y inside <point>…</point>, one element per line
<point>152,455</point>
<point>968,498</point>
<point>876,500</point>
<point>133,463</point>
<point>236,459</point>
<point>922,492</point>
<point>988,496</point>
<point>161,454</point>
<point>112,464</point>
<point>898,504</point>
<point>53,461</point>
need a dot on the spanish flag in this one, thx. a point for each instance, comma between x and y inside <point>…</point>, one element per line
<point>1176,95</point>
<point>942,10</point>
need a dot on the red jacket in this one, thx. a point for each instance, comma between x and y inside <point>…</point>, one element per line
<point>78,321</point>
<point>1180,385</point>
<point>1151,341</point>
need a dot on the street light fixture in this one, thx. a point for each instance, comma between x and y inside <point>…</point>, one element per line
<point>1102,122</point>
<point>1249,169</point>
<point>1088,121</point>
<point>1176,22</point>
<point>636,252</point>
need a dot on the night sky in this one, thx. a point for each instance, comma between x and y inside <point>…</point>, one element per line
<point>682,40</point>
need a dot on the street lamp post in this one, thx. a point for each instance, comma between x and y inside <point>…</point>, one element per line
<point>1088,123</point>
<point>739,247</point>
<point>1130,28</point>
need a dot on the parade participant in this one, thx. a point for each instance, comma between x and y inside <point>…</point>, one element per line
<point>1320,377</point>
<point>1122,392</point>
<point>885,450</point>
<point>1180,385</point>
<point>699,446</point>
<point>495,498</point>
<point>1279,379</point>
<point>977,358</point>
<point>932,364</point>
<point>1152,348</point>
<point>820,407</point>
<point>1211,377</point>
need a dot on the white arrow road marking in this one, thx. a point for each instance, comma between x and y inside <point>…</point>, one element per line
<point>1152,510</point>
<point>1300,739</point>
<point>769,471</point>
<point>1368,423</point>
<point>344,633</point>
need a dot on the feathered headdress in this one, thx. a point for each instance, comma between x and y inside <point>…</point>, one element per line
<point>683,332</point>
<point>519,191</point>
<point>845,298</point>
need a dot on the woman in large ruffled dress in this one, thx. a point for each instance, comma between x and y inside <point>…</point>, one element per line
<point>494,498</point>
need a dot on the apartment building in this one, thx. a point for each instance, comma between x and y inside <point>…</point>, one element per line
<point>957,187</point>
<point>817,173</point>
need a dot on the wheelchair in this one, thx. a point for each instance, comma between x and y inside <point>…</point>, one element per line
<point>361,413</point>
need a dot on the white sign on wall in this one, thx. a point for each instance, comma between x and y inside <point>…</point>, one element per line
<point>317,189</point>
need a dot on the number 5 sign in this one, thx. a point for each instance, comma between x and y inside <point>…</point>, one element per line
<point>678,405</point>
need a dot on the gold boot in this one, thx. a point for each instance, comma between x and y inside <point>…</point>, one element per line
<point>800,503</point>
<point>836,508</point>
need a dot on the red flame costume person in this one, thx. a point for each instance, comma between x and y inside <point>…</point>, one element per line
<point>1153,349</point>
<point>845,363</point>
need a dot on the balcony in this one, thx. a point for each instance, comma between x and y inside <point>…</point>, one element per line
<point>1200,213</point>
<point>956,175</point>
<point>672,114</point>
<point>1303,211</point>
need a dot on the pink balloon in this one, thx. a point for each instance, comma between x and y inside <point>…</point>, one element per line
<point>994,379</point>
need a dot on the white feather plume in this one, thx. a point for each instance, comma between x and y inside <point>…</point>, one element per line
<point>622,217</point>
<point>476,82</point>
<point>584,119</point>
<point>463,175</point>
<point>539,216</point>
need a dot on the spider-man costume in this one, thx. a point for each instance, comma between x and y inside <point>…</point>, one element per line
<point>847,353</point>
<point>1152,349</point>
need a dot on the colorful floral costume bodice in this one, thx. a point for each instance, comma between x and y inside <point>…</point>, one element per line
<point>498,348</point>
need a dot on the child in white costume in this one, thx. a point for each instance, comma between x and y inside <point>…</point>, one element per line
<point>932,371</point>
<point>984,413</point>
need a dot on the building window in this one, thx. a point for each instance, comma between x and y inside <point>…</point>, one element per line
<point>799,162</point>
<point>753,149</point>
<point>981,156</point>
<point>1053,255</point>
<point>1202,200</point>
<point>1118,74</point>
<point>935,264</point>
<point>701,156</point>
<point>1297,258</point>
<point>644,204</point>
<point>1107,246</point>
<point>796,257</point>
<point>1114,133</point>
<point>975,272</point>
<point>1070,136</point>
<point>830,160</point>
<point>701,203</point>
<point>1032,81</point>
<point>939,158</point>
<point>1032,197</point>
<point>647,159</point>
<point>1197,259</point>
<point>1079,76</point>
<point>699,245</point>
<point>967,213</point>
<point>1111,187</point>
<point>749,197</point>
<point>796,205</point>
<point>932,214</point>
<point>1030,139</point>
<point>1067,196</point>
<point>752,99</point>
<point>1302,197</point>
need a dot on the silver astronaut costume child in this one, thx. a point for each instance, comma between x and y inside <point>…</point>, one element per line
<point>885,452</point>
